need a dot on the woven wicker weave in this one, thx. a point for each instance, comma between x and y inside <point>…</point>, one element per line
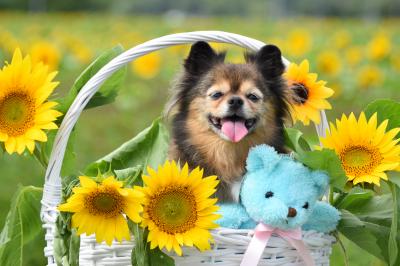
<point>229,244</point>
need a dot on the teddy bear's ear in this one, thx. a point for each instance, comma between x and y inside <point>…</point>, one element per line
<point>262,157</point>
<point>321,181</point>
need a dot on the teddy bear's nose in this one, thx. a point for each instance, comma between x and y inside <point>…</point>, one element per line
<point>292,212</point>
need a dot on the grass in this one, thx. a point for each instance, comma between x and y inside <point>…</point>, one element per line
<point>141,98</point>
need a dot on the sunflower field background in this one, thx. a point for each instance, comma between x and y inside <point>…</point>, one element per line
<point>359,59</point>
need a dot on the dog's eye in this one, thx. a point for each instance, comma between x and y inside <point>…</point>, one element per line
<point>305,206</point>
<point>269,194</point>
<point>252,97</point>
<point>216,95</point>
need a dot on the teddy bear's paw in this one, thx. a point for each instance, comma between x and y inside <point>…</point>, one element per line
<point>324,218</point>
<point>233,215</point>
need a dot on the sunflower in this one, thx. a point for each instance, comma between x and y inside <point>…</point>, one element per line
<point>177,207</point>
<point>24,112</point>
<point>328,62</point>
<point>379,47</point>
<point>369,76</point>
<point>354,55</point>
<point>299,42</point>
<point>47,53</point>
<point>308,95</point>
<point>366,150</point>
<point>147,66</point>
<point>100,208</point>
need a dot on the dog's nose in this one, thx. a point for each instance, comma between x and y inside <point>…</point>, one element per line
<point>292,212</point>
<point>235,102</point>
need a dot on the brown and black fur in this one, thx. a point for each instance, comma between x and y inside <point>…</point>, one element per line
<point>194,142</point>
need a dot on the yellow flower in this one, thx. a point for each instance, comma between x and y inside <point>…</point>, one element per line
<point>177,208</point>
<point>308,94</point>
<point>24,112</point>
<point>100,208</point>
<point>328,62</point>
<point>8,42</point>
<point>47,53</point>
<point>298,42</point>
<point>341,39</point>
<point>337,87</point>
<point>147,66</point>
<point>369,76</point>
<point>353,55</point>
<point>379,47</point>
<point>366,150</point>
<point>395,61</point>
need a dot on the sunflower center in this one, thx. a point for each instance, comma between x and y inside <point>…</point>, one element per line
<point>173,210</point>
<point>301,93</point>
<point>17,112</point>
<point>107,202</point>
<point>359,160</point>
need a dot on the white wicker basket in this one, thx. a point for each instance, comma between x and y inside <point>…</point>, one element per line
<point>229,244</point>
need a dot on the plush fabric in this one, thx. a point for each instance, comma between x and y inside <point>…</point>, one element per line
<point>280,192</point>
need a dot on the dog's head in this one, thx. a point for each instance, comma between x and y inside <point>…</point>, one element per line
<point>232,100</point>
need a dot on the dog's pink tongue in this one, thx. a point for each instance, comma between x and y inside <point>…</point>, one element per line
<point>234,130</point>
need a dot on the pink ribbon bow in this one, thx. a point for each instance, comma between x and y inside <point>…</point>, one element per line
<point>262,234</point>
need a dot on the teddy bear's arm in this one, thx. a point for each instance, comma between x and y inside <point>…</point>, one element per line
<point>324,218</point>
<point>233,215</point>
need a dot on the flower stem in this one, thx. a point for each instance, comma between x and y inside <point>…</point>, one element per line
<point>37,154</point>
<point>342,248</point>
<point>330,194</point>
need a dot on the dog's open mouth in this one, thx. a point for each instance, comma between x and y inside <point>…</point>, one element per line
<point>234,128</point>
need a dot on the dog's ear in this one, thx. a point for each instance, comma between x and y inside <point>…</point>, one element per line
<point>201,58</point>
<point>268,60</point>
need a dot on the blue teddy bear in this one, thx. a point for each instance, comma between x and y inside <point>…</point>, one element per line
<point>282,193</point>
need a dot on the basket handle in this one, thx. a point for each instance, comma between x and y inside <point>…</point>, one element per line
<point>53,178</point>
<point>52,186</point>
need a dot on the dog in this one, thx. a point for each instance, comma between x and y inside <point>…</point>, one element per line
<point>220,110</point>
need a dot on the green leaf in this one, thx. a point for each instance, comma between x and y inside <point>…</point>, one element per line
<point>367,223</point>
<point>129,175</point>
<point>395,179</point>
<point>362,234</point>
<point>157,257</point>
<point>356,197</point>
<point>66,244</point>
<point>393,247</point>
<point>140,256</point>
<point>148,148</point>
<point>22,225</point>
<point>108,90</point>
<point>295,141</point>
<point>325,160</point>
<point>386,109</point>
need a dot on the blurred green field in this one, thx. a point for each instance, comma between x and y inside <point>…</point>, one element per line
<point>359,59</point>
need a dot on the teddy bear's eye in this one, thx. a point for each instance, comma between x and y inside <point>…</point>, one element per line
<point>305,206</point>
<point>269,194</point>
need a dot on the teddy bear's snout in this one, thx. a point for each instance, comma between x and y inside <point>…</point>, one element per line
<point>292,212</point>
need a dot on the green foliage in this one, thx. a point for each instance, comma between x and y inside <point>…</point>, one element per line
<point>142,255</point>
<point>148,148</point>
<point>386,109</point>
<point>295,141</point>
<point>129,175</point>
<point>394,234</point>
<point>66,244</point>
<point>22,225</point>
<point>367,220</point>
<point>325,160</point>
<point>108,90</point>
